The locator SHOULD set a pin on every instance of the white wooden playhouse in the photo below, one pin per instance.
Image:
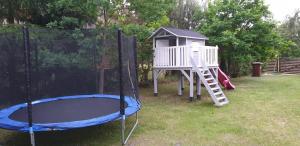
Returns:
(185, 51)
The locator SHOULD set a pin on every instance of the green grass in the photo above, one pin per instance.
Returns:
(262, 111)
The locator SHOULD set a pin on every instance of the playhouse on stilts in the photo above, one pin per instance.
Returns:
(185, 51)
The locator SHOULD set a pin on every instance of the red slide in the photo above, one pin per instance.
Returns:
(224, 80)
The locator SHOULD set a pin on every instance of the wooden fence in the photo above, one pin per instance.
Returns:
(284, 65)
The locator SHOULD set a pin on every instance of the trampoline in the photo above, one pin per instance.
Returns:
(67, 112)
(53, 80)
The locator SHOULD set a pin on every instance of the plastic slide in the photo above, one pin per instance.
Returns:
(224, 80)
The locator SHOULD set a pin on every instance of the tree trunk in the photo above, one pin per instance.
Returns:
(10, 16)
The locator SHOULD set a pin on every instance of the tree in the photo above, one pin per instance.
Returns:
(144, 17)
(144, 51)
(244, 32)
(71, 13)
(53, 13)
(31, 11)
(290, 30)
(186, 14)
(9, 10)
(151, 11)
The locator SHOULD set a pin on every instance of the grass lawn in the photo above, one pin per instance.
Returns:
(262, 111)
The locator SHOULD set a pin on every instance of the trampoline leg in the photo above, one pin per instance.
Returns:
(131, 131)
(123, 129)
(32, 140)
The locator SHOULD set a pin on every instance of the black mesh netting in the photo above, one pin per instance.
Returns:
(130, 82)
(65, 62)
(74, 62)
(12, 67)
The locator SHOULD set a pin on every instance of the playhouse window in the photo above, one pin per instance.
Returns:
(172, 41)
(182, 41)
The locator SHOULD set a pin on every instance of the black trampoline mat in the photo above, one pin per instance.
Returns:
(68, 110)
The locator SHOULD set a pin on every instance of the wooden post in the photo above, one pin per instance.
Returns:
(278, 65)
(154, 43)
(182, 81)
(216, 73)
(154, 52)
(101, 80)
(198, 87)
(155, 76)
(191, 80)
(180, 84)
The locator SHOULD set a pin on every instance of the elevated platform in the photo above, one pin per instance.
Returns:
(178, 57)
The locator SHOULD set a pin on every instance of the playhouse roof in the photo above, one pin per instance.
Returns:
(180, 33)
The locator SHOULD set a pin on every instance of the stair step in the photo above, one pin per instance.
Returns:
(218, 93)
(207, 74)
(215, 88)
(221, 98)
(213, 83)
(223, 103)
(209, 79)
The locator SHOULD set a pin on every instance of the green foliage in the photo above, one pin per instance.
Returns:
(150, 16)
(136, 17)
(164, 21)
(290, 30)
(10, 10)
(71, 13)
(11, 29)
(243, 31)
(144, 51)
(186, 14)
(107, 10)
(54, 13)
(151, 11)
(79, 52)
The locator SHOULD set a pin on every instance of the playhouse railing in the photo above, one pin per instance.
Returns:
(179, 56)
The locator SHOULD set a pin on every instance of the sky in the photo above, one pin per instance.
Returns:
(281, 8)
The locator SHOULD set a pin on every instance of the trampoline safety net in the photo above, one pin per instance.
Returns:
(65, 63)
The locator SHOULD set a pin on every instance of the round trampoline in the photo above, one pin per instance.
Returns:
(37, 80)
(67, 112)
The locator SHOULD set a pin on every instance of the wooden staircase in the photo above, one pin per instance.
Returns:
(211, 84)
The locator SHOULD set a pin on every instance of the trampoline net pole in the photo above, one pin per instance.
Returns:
(122, 110)
(129, 82)
(27, 57)
(122, 107)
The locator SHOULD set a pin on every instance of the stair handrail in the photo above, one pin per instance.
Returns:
(202, 77)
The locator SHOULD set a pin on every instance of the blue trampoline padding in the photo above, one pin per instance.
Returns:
(6, 123)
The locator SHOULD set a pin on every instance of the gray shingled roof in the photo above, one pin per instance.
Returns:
(181, 33)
